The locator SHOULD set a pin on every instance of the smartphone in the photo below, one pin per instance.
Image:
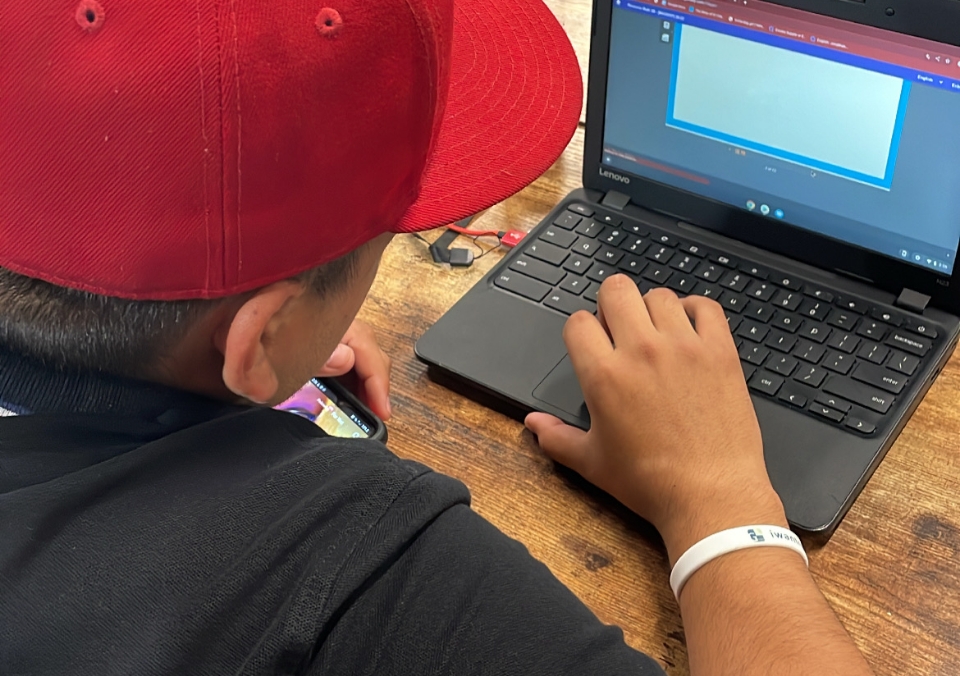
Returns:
(335, 410)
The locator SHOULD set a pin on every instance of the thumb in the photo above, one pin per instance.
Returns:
(339, 363)
(561, 442)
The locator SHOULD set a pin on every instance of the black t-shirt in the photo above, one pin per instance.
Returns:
(148, 531)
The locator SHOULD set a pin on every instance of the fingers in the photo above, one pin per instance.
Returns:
(373, 370)
(623, 310)
(711, 323)
(586, 340)
(667, 312)
(561, 442)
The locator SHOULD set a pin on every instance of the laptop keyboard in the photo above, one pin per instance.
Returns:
(801, 344)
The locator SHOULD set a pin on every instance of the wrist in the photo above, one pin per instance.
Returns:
(713, 516)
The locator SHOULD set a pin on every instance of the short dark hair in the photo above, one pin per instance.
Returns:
(67, 328)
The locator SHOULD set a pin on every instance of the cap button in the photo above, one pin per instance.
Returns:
(90, 15)
(329, 22)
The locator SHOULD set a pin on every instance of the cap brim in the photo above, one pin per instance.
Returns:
(514, 102)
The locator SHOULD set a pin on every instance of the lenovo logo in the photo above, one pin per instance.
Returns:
(615, 177)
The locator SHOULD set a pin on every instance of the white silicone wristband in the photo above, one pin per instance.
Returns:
(726, 541)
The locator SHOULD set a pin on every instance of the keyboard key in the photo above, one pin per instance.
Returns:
(787, 282)
(783, 365)
(839, 362)
(825, 412)
(819, 294)
(660, 254)
(684, 262)
(522, 285)
(755, 354)
(870, 328)
(733, 321)
(873, 352)
(613, 236)
(567, 220)
(558, 236)
(607, 219)
(591, 293)
(788, 300)
(885, 379)
(735, 281)
(707, 290)
(814, 309)
(765, 382)
(886, 316)
(792, 398)
(577, 264)
(657, 274)
(682, 284)
(581, 209)
(548, 253)
(709, 272)
(608, 255)
(568, 303)
(723, 259)
(842, 319)
(909, 342)
(920, 327)
(634, 229)
(759, 311)
(810, 375)
(754, 270)
(538, 270)
(632, 265)
(752, 330)
(852, 304)
(903, 363)
(732, 301)
(845, 342)
(786, 322)
(748, 370)
(635, 245)
(589, 228)
(666, 240)
(575, 285)
(780, 341)
(814, 331)
(833, 402)
(586, 247)
(860, 394)
(693, 250)
(810, 352)
(600, 271)
(859, 425)
(761, 290)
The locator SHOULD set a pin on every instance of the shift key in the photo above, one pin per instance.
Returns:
(538, 270)
(858, 393)
(522, 285)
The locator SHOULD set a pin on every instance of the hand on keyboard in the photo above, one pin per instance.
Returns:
(674, 435)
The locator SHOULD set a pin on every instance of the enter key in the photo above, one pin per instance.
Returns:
(885, 379)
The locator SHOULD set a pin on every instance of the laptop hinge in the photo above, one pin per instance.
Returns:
(913, 300)
(615, 200)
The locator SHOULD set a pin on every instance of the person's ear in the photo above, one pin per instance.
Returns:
(247, 369)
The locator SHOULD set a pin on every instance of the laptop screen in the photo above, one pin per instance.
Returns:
(849, 131)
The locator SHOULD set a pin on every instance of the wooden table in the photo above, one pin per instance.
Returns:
(891, 571)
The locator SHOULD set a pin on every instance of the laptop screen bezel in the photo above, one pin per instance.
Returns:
(930, 19)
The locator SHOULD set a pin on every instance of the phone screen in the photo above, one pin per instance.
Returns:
(320, 404)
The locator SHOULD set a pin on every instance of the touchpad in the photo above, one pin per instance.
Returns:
(561, 389)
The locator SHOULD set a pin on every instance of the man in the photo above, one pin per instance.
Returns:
(193, 204)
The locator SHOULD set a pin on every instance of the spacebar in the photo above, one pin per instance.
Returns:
(522, 285)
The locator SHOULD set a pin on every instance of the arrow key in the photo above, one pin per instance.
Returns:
(861, 426)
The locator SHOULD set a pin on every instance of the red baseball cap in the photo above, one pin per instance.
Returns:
(151, 150)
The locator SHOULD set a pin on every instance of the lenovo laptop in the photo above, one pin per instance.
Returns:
(798, 161)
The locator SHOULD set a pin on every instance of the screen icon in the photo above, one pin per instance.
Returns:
(751, 205)
(764, 209)
(904, 253)
(665, 37)
(778, 213)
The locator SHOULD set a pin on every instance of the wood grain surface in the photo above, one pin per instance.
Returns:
(891, 571)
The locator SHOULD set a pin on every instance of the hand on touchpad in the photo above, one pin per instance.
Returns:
(561, 389)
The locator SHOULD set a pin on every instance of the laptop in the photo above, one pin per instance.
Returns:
(799, 162)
